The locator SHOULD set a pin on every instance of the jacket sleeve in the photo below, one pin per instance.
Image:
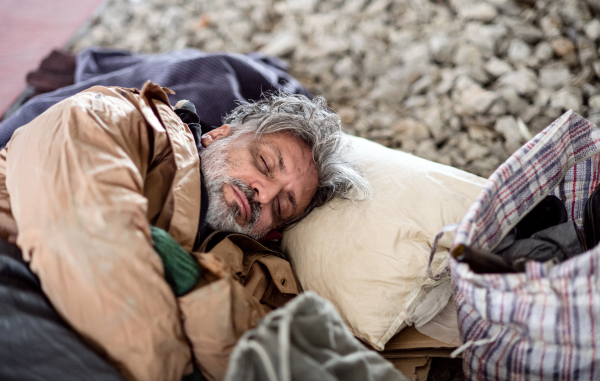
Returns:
(241, 283)
(76, 178)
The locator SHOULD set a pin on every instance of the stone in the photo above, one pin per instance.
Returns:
(539, 123)
(475, 72)
(382, 120)
(415, 54)
(508, 127)
(423, 84)
(518, 51)
(562, 46)
(486, 37)
(551, 25)
(432, 118)
(568, 98)
(529, 112)
(515, 104)
(589, 90)
(497, 67)
(475, 151)
(282, 44)
(586, 49)
(477, 100)
(594, 102)
(427, 150)
(523, 81)
(498, 108)
(592, 29)
(524, 130)
(345, 67)
(447, 81)
(412, 128)
(415, 102)
(527, 33)
(441, 47)
(543, 51)
(389, 91)
(347, 114)
(467, 55)
(554, 77)
(596, 66)
(594, 118)
(478, 11)
(479, 133)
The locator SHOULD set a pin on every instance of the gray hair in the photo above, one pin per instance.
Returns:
(320, 128)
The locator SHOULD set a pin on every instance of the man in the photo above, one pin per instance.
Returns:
(82, 185)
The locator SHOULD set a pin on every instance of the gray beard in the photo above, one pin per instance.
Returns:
(220, 215)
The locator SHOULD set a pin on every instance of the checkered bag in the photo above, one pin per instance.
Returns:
(543, 323)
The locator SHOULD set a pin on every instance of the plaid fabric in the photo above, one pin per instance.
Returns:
(544, 323)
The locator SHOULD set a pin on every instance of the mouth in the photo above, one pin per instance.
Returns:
(243, 203)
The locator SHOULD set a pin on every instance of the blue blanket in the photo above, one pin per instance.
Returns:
(214, 82)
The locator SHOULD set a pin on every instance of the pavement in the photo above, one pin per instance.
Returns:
(30, 30)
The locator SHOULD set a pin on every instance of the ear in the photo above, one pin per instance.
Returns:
(216, 134)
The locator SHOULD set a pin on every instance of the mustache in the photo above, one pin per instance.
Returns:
(249, 194)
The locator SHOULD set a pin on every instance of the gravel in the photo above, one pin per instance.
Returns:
(461, 82)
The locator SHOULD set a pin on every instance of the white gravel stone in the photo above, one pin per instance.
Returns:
(476, 100)
(478, 11)
(281, 44)
(509, 128)
(555, 77)
(567, 99)
(523, 81)
(592, 29)
(518, 51)
(594, 102)
(544, 51)
(497, 67)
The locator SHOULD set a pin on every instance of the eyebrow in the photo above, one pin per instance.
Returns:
(279, 157)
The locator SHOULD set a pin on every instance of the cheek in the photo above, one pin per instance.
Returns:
(266, 218)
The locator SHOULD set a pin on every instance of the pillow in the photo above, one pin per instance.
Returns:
(370, 258)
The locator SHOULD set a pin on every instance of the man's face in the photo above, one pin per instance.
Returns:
(256, 185)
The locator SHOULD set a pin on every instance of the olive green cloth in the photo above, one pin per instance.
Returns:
(182, 272)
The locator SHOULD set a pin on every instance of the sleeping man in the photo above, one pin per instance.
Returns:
(90, 190)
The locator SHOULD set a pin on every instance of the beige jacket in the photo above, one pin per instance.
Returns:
(81, 185)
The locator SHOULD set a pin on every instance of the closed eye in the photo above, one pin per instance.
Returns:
(278, 207)
(265, 164)
(277, 211)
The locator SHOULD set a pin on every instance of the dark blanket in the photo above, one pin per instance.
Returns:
(35, 343)
(214, 82)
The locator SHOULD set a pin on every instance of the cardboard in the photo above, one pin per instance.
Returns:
(410, 338)
(411, 352)
(415, 369)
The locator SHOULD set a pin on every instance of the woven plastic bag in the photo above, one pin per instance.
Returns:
(543, 323)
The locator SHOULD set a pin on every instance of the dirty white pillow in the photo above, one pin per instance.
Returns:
(370, 258)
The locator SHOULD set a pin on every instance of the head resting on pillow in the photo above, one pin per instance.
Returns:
(275, 160)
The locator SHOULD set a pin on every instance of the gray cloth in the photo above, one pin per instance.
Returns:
(306, 340)
(557, 243)
(35, 342)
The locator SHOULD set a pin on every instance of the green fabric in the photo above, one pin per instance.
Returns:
(182, 272)
(196, 376)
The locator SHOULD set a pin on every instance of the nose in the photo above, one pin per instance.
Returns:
(266, 190)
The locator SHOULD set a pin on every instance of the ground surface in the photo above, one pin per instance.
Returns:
(461, 82)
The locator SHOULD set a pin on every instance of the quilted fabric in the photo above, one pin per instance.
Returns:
(543, 323)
